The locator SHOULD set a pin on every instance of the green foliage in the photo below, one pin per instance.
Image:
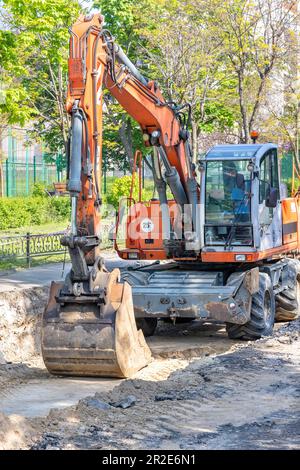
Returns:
(17, 212)
(38, 190)
(60, 207)
(183, 47)
(121, 188)
(33, 57)
(218, 56)
(120, 19)
(289, 184)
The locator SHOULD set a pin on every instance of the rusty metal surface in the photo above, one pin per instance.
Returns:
(192, 294)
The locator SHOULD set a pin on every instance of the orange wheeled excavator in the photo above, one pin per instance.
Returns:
(224, 247)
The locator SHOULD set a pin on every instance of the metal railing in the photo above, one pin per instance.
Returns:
(30, 246)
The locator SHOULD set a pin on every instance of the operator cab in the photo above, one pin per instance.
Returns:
(240, 191)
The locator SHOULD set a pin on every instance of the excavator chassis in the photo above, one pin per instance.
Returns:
(95, 334)
(176, 292)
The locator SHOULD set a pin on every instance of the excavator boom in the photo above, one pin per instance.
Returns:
(89, 326)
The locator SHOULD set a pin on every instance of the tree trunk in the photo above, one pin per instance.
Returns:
(257, 100)
(125, 133)
(58, 89)
(245, 126)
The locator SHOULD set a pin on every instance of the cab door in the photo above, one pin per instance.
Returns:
(270, 218)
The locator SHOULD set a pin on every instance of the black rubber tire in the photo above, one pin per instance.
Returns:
(288, 301)
(179, 320)
(262, 314)
(147, 325)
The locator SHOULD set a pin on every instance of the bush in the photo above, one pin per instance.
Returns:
(60, 207)
(289, 183)
(13, 213)
(39, 190)
(121, 188)
(18, 212)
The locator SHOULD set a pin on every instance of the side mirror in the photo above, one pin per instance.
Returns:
(272, 197)
(240, 181)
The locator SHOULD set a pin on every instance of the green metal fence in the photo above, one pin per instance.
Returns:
(286, 163)
(19, 177)
(25, 164)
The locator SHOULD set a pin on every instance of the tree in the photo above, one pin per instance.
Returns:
(35, 45)
(121, 134)
(257, 40)
(184, 49)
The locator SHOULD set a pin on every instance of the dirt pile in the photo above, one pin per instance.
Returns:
(16, 432)
(20, 322)
(247, 398)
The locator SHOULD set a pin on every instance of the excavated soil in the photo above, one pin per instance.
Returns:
(202, 391)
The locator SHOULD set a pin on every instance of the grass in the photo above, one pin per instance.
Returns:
(52, 227)
(34, 229)
(15, 263)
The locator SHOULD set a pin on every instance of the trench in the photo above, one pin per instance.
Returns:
(26, 387)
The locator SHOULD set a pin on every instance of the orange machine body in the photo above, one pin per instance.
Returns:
(143, 229)
(143, 243)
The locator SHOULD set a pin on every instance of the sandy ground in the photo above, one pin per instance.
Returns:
(202, 391)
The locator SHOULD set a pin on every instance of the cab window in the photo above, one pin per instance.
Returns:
(268, 175)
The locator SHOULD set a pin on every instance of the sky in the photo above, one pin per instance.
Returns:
(87, 4)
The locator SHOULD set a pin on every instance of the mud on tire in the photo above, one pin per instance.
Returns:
(288, 301)
(262, 314)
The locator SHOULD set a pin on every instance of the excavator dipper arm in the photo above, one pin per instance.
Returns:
(89, 326)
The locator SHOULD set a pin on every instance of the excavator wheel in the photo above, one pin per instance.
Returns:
(147, 325)
(288, 301)
(262, 314)
(93, 336)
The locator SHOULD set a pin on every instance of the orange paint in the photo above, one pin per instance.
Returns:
(88, 73)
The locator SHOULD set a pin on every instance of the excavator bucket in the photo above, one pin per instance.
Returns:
(90, 337)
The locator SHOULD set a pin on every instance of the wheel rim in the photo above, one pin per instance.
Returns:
(268, 310)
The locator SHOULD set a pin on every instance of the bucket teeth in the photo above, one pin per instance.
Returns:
(94, 339)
